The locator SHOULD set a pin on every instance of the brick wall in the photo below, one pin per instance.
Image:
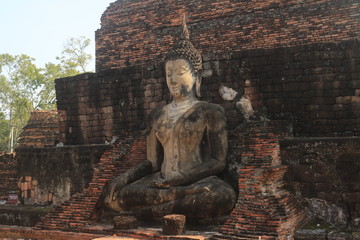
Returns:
(264, 209)
(136, 33)
(8, 175)
(53, 174)
(315, 86)
(86, 207)
(96, 107)
(324, 168)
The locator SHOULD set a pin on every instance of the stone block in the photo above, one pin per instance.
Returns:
(334, 214)
(124, 222)
(338, 236)
(353, 197)
(311, 234)
(174, 224)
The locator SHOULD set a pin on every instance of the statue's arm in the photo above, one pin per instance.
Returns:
(153, 160)
(131, 175)
(218, 142)
(154, 151)
(152, 164)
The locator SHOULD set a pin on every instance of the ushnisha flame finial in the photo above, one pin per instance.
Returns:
(183, 49)
(185, 32)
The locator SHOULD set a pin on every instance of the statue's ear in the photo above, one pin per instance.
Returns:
(198, 83)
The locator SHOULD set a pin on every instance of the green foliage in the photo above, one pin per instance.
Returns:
(19, 80)
(26, 87)
(74, 56)
(4, 132)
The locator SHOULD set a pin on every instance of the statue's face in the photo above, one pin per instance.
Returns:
(179, 78)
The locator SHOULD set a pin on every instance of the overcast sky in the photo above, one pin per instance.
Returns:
(39, 28)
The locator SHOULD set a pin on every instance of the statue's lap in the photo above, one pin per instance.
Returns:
(210, 197)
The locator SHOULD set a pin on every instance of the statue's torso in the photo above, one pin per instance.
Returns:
(183, 138)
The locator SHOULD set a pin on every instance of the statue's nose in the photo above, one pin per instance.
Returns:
(172, 80)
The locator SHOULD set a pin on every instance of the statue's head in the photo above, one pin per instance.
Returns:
(183, 66)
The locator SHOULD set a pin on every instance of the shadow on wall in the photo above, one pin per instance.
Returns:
(51, 175)
(325, 169)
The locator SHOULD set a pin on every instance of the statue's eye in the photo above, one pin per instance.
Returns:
(182, 72)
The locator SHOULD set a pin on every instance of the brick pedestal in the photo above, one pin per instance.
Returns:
(264, 208)
(174, 224)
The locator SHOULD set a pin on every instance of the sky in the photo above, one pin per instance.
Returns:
(40, 28)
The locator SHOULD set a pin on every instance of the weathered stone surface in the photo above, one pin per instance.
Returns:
(331, 213)
(174, 224)
(26, 216)
(123, 222)
(125, 152)
(338, 236)
(226, 93)
(17, 232)
(355, 223)
(245, 107)
(53, 174)
(317, 234)
(325, 168)
(355, 235)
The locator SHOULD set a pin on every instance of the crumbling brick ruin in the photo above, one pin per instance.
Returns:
(294, 60)
(8, 175)
(41, 172)
(141, 32)
(42, 130)
(315, 86)
(297, 62)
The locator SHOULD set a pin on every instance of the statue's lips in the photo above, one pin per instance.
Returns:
(174, 89)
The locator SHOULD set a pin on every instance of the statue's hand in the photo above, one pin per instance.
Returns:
(161, 184)
(115, 187)
(175, 180)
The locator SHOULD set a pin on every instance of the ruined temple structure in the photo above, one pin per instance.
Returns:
(295, 60)
(42, 130)
(297, 65)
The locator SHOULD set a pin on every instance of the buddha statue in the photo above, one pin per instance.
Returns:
(186, 150)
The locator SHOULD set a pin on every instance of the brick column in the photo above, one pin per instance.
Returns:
(264, 209)
(8, 175)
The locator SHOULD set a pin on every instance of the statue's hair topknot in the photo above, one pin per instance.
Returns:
(184, 49)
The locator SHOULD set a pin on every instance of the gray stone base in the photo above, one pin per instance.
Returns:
(26, 216)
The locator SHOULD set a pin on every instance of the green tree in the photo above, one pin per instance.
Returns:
(19, 80)
(74, 55)
(4, 132)
(26, 87)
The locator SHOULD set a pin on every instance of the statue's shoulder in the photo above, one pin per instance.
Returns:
(210, 108)
(213, 114)
(156, 113)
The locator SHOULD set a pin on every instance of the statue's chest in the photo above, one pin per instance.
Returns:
(187, 129)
